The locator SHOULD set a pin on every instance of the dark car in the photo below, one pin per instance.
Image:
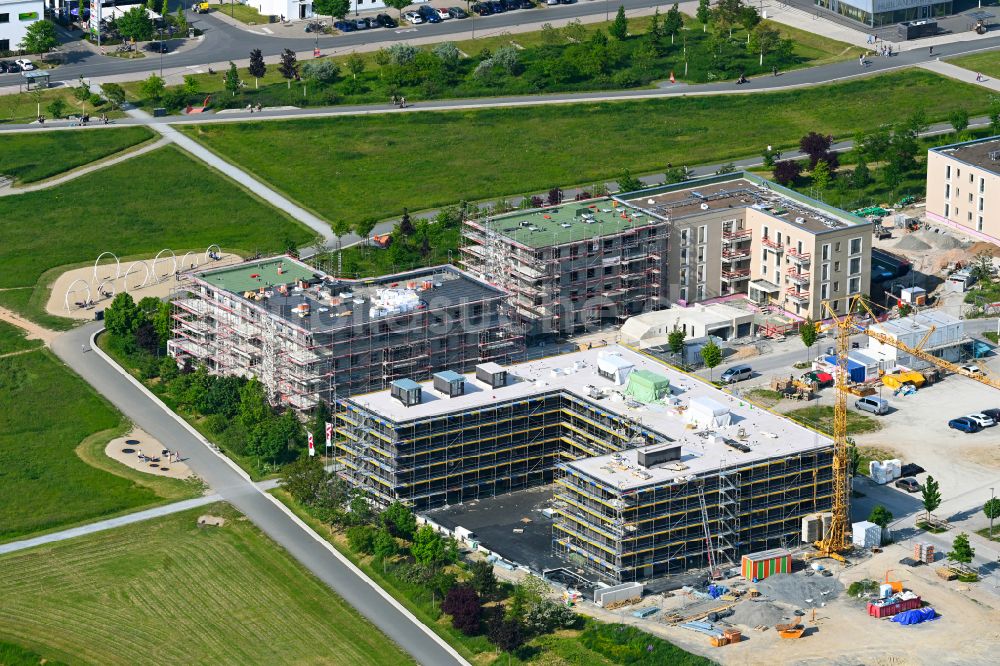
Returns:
(345, 26)
(497, 7)
(510, 5)
(157, 47)
(909, 484)
(3, 67)
(483, 8)
(13, 68)
(385, 21)
(964, 424)
(458, 12)
(992, 413)
(429, 14)
(527, 4)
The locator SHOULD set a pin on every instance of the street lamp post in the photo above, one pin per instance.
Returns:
(161, 50)
(992, 495)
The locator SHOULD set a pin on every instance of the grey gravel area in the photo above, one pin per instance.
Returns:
(800, 590)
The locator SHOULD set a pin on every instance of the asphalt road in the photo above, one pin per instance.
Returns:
(245, 496)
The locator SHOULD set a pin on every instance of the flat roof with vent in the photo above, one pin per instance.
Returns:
(982, 153)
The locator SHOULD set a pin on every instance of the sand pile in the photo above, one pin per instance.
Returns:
(912, 242)
(982, 246)
(752, 613)
(942, 241)
(800, 590)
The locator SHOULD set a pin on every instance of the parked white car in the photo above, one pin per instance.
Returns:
(971, 369)
(413, 18)
(24, 64)
(443, 13)
(983, 420)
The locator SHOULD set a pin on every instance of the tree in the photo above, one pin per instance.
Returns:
(675, 340)
(727, 14)
(361, 538)
(360, 508)
(628, 183)
(355, 64)
(465, 607)
(56, 107)
(135, 24)
(959, 120)
(114, 93)
(320, 417)
(122, 317)
(39, 37)
(961, 550)
(257, 68)
(484, 580)
(321, 71)
(506, 634)
(146, 337)
(384, 546)
(555, 196)
(703, 13)
(253, 409)
(860, 177)
(821, 175)
(363, 228)
(726, 168)
(711, 354)
(232, 79)
(808, 332)
(305, 480)
(881, 516)
(748, 17)
(673, 22)
(399, 520)
(931, 496)
(338, 8)
(994, 113)
(619, 27)
(152, 88)
(676, 175)
(853, 459)
(992, 511)
(787, 172)
(289, 67)
(770, 156)
(164, 9)
(428, 547)
(398, 5)
(816, 146)
(763, 40)
(180, 20)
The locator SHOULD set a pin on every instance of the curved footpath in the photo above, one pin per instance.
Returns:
(232, 485)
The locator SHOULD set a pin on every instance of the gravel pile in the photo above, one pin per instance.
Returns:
(799, 590)
(752, 613)
(942, 241)
(912, 242)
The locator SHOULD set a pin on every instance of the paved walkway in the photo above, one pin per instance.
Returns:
(960, 73)
(110, 523)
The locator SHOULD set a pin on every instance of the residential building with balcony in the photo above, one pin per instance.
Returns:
(963, 187)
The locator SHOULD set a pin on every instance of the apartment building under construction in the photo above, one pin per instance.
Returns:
(309, 336)
(654, 472)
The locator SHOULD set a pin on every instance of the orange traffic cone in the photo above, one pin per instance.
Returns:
(672, 79)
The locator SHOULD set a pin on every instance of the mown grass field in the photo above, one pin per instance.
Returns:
(163, 199)
(821, 418)
(47, 412)
(37, 156)
(168, 592)
(12, 339)
(373, 166)
(987, 63)
(23, 107)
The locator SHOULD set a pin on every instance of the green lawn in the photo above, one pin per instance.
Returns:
(12, 339)
(163, 199)
(23, 107)
(168, 592)
(240, 12)
(47, 412)
(371, 166)
(869, 453)
(37, 156)
(821, 418)
(987, 63)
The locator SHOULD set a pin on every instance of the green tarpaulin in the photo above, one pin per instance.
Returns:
(646, 386)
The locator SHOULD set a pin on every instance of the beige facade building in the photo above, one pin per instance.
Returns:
(963, 187)
(741, 234)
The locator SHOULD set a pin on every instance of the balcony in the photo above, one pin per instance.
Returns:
(801, 258)
(735, 255)
(772, 244)
(798, 277)
(801, 297)
(736, 276)
(737, 235)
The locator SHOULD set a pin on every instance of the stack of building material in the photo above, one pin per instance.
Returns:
(734, 635)
(866, 534)
(923, 552)
(893, 468)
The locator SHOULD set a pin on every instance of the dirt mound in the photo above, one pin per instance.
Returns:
(981, 246)
(800, 590)
(912, 242)
(752, 613)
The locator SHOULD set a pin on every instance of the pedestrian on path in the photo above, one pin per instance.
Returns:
(930, 51)
(979, 77)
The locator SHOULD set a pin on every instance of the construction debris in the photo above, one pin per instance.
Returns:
(799, 590)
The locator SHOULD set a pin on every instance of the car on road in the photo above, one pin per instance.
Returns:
(909, 484)
(872, 404)
(385, 21)
(24, 64)
(413, 18)
(981, 419)
(737, 373)
(964, 424)
(972, 369)
(458, 12)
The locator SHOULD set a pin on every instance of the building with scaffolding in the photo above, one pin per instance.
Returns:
(572, 266)
(654, 472)
(309, 336)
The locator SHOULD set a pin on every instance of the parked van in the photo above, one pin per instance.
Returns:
(873, 404)
(737, 373)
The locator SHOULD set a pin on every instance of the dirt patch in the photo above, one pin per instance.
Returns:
(35, 332)
(211, 521)
(146, 456)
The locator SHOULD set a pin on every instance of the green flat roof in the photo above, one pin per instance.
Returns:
(567, 223)
(250, 277)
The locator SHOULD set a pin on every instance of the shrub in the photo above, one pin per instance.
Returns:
(362, 538)
(464, 606)
(787, 171)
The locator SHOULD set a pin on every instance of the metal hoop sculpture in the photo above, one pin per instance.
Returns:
(128, 271)
(155, 278)
(184, 261)
(118, 265)
(70, 290)
(111, 293)
(208, 251)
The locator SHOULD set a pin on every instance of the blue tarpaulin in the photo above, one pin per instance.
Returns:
(915, 616)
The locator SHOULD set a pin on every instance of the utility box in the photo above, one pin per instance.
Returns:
(760, 565)
(491, 374)
(449, 383)
(406, 391)
(657, 455)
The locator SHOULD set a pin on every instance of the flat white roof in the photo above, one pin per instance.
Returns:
(766, 434)
(918, 323)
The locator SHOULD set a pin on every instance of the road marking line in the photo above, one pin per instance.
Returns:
(268, 31)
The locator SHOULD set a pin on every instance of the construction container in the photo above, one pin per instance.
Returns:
(892, 605)
(406, 391)
(616, 593)
(449, 383)
(758, 566)
(733, 635)
(866, 535)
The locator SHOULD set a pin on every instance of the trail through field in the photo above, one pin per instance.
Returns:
(35, 332)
